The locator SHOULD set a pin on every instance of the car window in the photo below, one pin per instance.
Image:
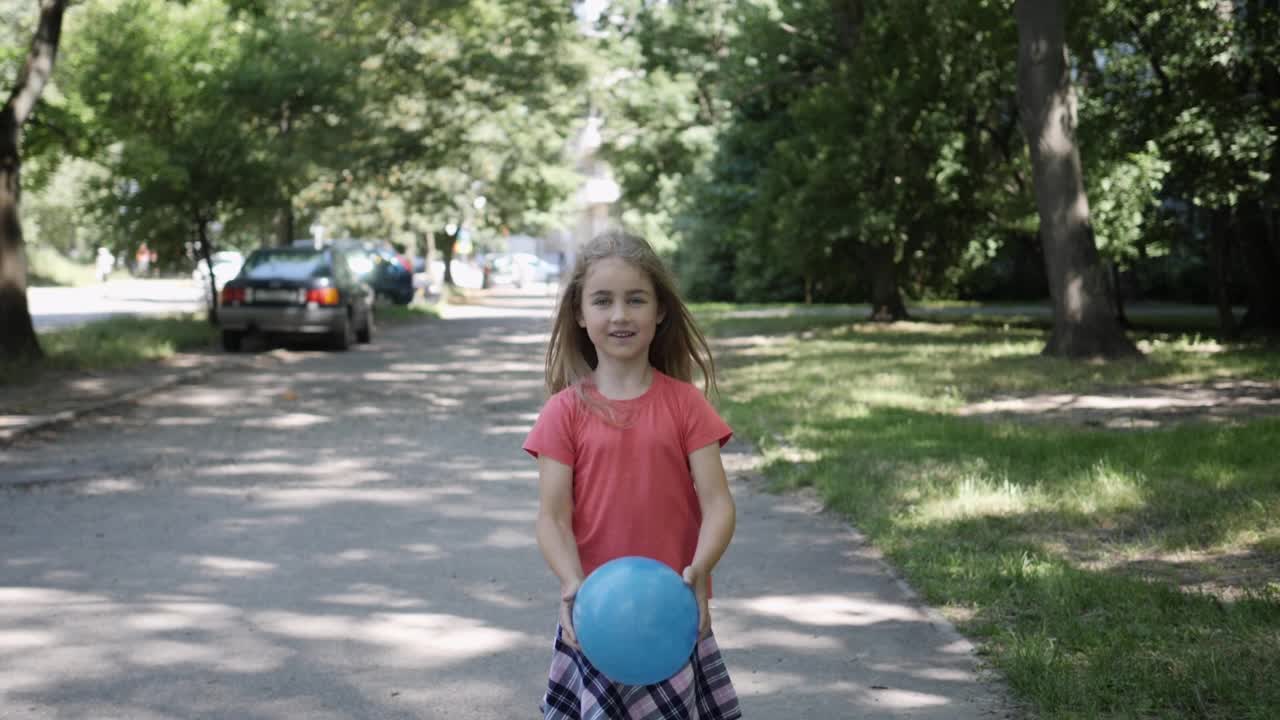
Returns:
(360, 262)
(342, 267)
(286, 264)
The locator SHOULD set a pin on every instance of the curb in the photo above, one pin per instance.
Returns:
(66, 417)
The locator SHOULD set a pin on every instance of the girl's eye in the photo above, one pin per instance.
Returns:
(600, 302)
(637, 301)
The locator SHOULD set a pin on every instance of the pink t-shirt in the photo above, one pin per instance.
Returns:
(633, 492)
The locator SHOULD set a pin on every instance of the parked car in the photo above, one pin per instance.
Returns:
(226, 265)
(297, 291)
(379, 265)
(519, 270)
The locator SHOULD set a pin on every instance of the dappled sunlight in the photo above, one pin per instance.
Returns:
(419, 640)
(824, 610)
(357, 531)
(12, 641)
(494, 596)
(371, 595)
(510, 538)
(184, 421)
(506, 475)
(228, 567)
(520, 430)
(316, 497)
(844, 695)
(905, 699)
(137, 637)
(538, 340)
(740, 634)
(289, 421)
(343, 473)
(106, 486)
(424, 551)
(977, 495)
(488, 514)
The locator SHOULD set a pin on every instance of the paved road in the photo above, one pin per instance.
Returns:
(350, 536)
(55, 307)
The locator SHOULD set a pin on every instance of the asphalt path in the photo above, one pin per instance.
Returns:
(350, 535)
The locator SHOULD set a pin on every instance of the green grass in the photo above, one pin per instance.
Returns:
(125, 342)
(1059, 548)
(47, 266)
(419, 309)
(115, 343)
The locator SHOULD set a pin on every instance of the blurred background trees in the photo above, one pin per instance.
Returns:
(775, 150)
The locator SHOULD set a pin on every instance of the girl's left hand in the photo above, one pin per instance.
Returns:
(698, 581)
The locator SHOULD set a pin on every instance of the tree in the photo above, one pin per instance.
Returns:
(468, 100)
(181, 151)
(18, 341)
(1084, 323)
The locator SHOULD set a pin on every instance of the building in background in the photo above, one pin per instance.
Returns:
(595, 201)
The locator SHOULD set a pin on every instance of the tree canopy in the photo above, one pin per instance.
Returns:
(815, 150)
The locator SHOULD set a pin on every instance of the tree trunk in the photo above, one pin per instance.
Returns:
(848, 16)
(886, 297)
(1084, 323)
(18, 341)
(1117, 292)
(284, 225)
(206, 254)
(446, 254)
(1261, 270)
(1220, 265)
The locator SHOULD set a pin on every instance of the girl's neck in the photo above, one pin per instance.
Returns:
(622, 383)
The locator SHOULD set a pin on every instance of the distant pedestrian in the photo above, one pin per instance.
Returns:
(142, 260)
(629, 463)
(104, 263)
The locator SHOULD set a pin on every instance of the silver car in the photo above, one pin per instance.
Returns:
(296, 291)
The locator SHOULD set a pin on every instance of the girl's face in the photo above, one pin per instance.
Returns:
(619, 311)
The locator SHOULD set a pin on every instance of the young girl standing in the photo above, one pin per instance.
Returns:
(629, 464)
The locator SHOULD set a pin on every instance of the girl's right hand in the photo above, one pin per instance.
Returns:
(567, 594)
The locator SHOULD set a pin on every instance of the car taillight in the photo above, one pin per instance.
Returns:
(323, 296)
(232, 295)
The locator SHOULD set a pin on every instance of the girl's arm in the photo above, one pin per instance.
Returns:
(555, 535)
(719, 516)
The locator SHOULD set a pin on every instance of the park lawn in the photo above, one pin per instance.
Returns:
(117, 342)
(122, 342)
(1106, 573)
(419, 309)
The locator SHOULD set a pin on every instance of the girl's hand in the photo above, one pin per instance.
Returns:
(698, 581)
(568, 592)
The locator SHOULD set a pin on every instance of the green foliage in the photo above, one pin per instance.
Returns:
(464, 101)
(769, 144)
(768, 147)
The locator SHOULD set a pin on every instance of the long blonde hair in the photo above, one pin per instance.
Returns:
(677, 345)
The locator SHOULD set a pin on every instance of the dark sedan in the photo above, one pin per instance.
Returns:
(297, 291)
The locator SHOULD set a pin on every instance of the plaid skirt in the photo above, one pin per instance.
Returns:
(700, 691)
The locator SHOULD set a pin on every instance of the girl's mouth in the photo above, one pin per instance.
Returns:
(621, 334)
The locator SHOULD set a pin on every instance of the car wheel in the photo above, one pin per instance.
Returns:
(345, 336)
(231, 340)
(365, 334)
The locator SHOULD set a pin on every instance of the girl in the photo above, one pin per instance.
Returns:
(629, 464)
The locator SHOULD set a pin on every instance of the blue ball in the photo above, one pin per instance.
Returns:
(636, 620)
